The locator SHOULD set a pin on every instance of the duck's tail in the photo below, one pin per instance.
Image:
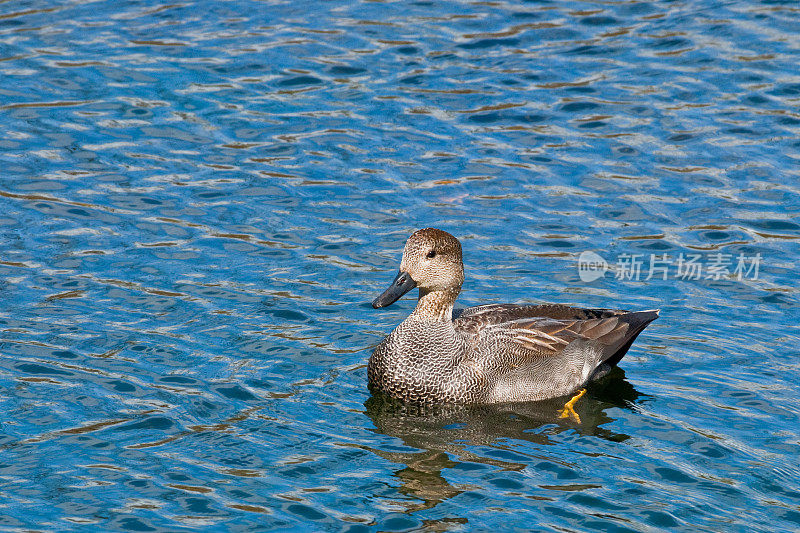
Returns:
(637, 321)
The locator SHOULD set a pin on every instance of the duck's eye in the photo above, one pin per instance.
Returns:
(431, 254)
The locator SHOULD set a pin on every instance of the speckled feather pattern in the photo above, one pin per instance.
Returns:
(492, 353)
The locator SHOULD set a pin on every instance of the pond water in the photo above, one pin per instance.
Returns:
(200, 199)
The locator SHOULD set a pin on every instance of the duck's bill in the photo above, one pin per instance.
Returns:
(401, 285)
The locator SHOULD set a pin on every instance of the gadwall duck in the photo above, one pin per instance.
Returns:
(489, 353)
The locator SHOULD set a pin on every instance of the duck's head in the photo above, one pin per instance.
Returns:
(431, 261)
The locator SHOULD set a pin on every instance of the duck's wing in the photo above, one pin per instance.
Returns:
(496, 313)
(545, 330)
(538, 352)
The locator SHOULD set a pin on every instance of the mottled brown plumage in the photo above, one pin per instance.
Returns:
(490, 353)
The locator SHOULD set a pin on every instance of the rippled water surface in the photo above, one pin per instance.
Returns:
(199, 200)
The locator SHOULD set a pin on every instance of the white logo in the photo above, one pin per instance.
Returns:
(591, 266)
(634, 267)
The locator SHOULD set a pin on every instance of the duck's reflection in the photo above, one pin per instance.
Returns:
(440, 434)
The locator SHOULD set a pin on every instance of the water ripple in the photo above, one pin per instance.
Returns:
(201, 198)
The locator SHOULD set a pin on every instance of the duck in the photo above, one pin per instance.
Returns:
(493, 353)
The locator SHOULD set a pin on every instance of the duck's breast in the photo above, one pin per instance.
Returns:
(419, 361)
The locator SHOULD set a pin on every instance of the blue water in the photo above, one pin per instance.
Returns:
(200, 199)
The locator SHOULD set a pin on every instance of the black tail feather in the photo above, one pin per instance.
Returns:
(636, 321)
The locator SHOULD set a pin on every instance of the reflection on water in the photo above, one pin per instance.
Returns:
(437, 426)
(200, 199)
(443, 437)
